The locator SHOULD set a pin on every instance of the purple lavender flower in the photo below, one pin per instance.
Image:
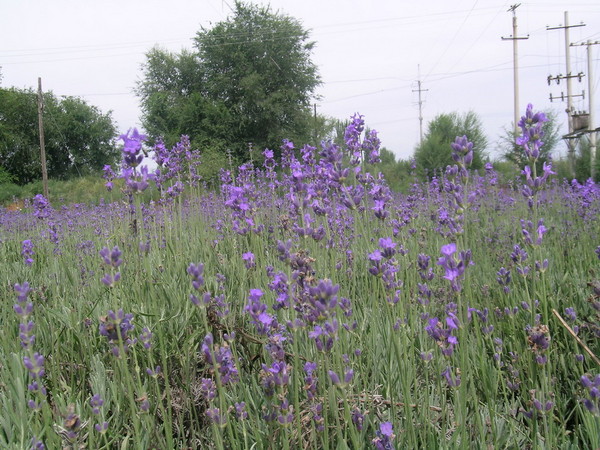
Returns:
(146, 338)
(96, 402)
(41, 206)
(35, 365)
(215, 416)
(110, 280)
(153, 372)
(220, 358)
(27, 251)
(358, 419)
(136, 181)
(379, 209)
(531, 126)
(34, 386)
(286, 414)
(335, 379)
(539, 341)
(310, 380)
(592, 401)
(132, 146)
(518, 255)
(385, 437)
(504, 278)
(248, 259)
(23, 291)
(240, 411)
(196, 271)
(388, 247)
(452, 379)
(447, 261)
(371, 144)
(276, 375)
(109, 176)
(101, 427)
(443, 336)
(454, 267)
(115, 326)
(462, 153)
(144, 403)
(280, 286)
(23, 310)
(37, 444)
(257, 310)
(25, 332)
(426, 356)
(571, 314)
(112, 257)
(208, 388)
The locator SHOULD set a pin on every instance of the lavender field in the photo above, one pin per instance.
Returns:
(305, 305)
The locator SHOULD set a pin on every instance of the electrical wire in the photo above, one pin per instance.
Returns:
(451, 42)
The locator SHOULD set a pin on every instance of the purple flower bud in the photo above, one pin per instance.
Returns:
(335, 379)
(96, 402)
(101, 427)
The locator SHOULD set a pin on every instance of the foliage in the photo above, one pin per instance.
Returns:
(514, 153)
(79, 138)
(5, 176)
(76, 190)
(398, 174)
(583, 160)
(250, 79)
(434, 152)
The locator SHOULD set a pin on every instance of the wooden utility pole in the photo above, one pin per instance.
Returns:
(42, 145)
(514, 37)
(570, 142)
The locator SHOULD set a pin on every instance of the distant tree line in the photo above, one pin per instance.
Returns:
(248, 83)
(79, 138)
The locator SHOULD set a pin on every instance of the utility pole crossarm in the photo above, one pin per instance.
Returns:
(585, 44)
(563, 27)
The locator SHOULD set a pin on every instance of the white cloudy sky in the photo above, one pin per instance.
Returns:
(368, 53)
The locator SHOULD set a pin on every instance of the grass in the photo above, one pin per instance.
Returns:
(372, 332)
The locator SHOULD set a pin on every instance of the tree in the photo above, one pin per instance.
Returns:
(514, 153)
(583, 160)
(79, 139)
(249, 79)
(434, 153)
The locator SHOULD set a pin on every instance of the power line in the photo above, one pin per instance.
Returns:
(256, 33)
(452, 40)
(82, 48)
(476, 40)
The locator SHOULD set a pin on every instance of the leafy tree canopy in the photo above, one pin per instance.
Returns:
(434, 153)
(583, 161)
(79, 139)
(249, 79)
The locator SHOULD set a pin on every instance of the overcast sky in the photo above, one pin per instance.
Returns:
(368, 54)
